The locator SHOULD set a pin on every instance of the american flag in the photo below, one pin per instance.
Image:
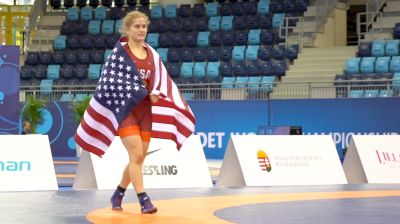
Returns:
(119, 90)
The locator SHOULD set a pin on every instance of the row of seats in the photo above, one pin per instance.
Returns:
(227, 54)
(216, 23)
(379, 48)
(34, 58)
(60, 84)
(91, 27)
(363, 79)
(370, 93)
(258, 83)
(56, 4)
(366, 65)
(214, 38)
(88, 41)
(54, 72)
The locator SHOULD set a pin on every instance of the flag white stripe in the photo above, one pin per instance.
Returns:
(170, 129)
(90, 139)
(105, 112)
(177, 97)
(90, 121)
(156, 58)
(181, 118)
(164, 80)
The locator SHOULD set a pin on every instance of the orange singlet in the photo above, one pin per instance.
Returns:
(138, 122)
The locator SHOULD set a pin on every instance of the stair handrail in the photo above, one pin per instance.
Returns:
(365, 26)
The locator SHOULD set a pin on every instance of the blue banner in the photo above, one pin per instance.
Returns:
(9, 89)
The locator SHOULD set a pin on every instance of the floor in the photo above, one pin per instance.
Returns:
(364, 203)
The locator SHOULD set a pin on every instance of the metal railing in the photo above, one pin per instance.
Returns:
(365, 25)
(237, 91)
(373, 6)
(289, 31)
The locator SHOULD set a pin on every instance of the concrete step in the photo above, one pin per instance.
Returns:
(52, 20)
(392, 6)
(316, 65)
(42, 47)
(330, 50)
(387, 22)
(45, 35)
(321, 78)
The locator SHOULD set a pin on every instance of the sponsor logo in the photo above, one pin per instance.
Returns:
(388, 158)
(155, 150)
(263, 161)
(14, 166)
(160, 170)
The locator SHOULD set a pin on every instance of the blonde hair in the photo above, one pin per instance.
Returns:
(129, 18)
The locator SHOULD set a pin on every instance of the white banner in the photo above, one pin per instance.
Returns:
(26, 163)
(278, 160)
(373, 159)
(164, 166)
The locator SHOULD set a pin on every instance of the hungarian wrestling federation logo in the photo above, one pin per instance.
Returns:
(263, 161)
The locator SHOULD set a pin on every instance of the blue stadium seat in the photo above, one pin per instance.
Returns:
(152, 39)
(170, 11)
(73, 14)
(106, 3)
(278, 52)
(241, 37)
(238, 8)
(356, 93)
(100, 13)
(111, 40)
(58, 57)
(275, 6)
(266, 68)
(70, 57)
(107, 53)
(39, 71)
(190, 39)
(94, 3)
(253, 69)
(81, 3)
(184, 11)
(187, 25)
(266, 37)
(199, 54)
(68, 3)
(265, 22)
(214, 23)
(364, 49)
(395, 64)
(225, 9)
(228, 82)
(46, 86)
(254, 37)
(239, 23)
(251, 8)
(118, 24)
(198, 10)
(55, 4)
(96, 57)
(68, 28)
(241, 81)
(66, 97)
(252, 52)
(211, 9)
(252, 22)
(164, 40)
(174, 25)
(228, 38)
(94, 71)
(352, 66)
(392, 47)
(32, 58)
(60, 42)
(371, 93)
(278, 20)
(26, 72)
(226, 54)
(163, 25)
(156, 12)
(173, 55)
(301, 5)
(385, 93)
(225, 69)
(289, 6)
(53, 72)
(267, 83)
(86, 13)
(174, 70)
(292, 52)
(263, 7)
(45, 57)
(215, 38)
(382, 65)
(264, 53)
(201, 24)
(212, 54)
(238, 53)
(396, 33)
(73, 42)
(82, 27)
(276, 37)
(115, 13)
(199, 71)
(187, 54)
(83, 57)
(239, 68)
(253, 84)
(279, 67)
(81, 72)
(94, 26)
(378, 48)
(212, 71)
(66, 71)
(367, 65)
(107, 27)
(187, 70)
(227, 23)
(163, 52)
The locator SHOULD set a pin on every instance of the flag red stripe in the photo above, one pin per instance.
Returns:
(165, 103)
(166, 135)
(165, 119)
(86, 146)
(101, 119)
(92, 132)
